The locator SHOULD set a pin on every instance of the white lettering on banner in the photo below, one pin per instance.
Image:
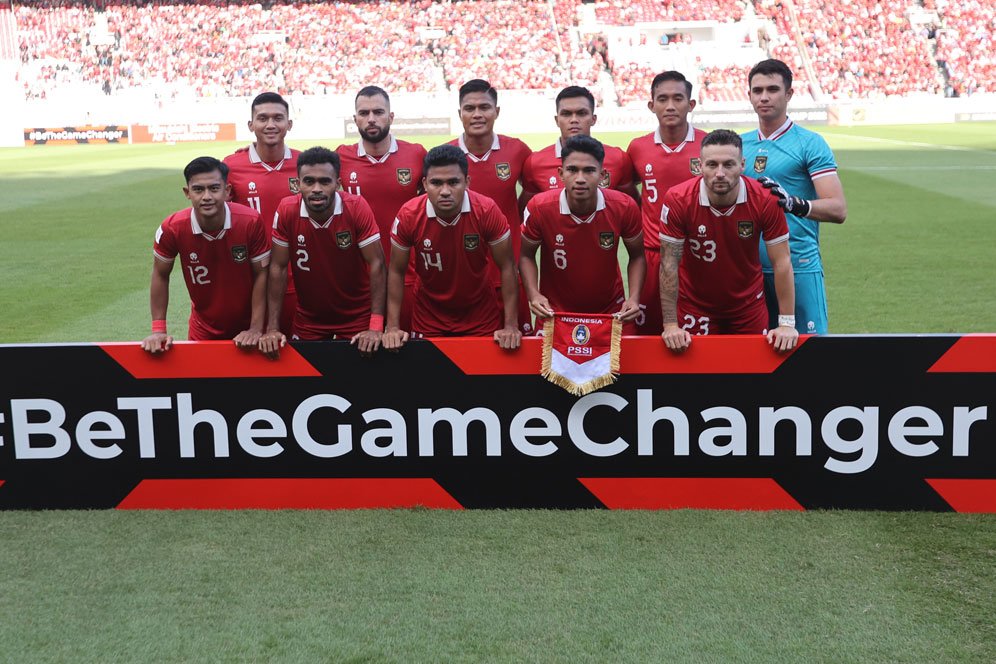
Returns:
(850, 435)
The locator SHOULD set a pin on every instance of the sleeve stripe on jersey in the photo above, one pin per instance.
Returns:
(262, 257)
(165, 259)
(822, 173)
(399, 245)
(673, 240)
(504, 236)
(278, 242)
(777, 240)
(370, 240)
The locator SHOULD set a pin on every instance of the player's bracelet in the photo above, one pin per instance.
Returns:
(786, 321)
(377, 322)
(159, 326)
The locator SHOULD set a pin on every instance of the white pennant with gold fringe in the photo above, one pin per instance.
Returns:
(581, 351)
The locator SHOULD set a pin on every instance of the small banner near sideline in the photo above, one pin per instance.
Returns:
(581, 351)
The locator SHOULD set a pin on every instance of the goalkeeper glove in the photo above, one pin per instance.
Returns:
(800, 207)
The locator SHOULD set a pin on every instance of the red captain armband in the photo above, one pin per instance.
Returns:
(377, 322)
(159, 326)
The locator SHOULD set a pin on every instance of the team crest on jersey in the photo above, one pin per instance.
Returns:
(580, 335)
(695, 166)
(471, 242)
(294, 185)
(759, 163)
(503, 170)
(745, 229)
(607, 240)
(343, 239)
(606, 180)
(240, 253)
(404, 176)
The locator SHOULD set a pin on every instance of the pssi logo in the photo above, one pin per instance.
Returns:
(581, 335)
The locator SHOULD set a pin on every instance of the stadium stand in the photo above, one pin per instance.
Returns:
(965, 46)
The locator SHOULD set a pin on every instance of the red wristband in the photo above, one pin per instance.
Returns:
(159, 326)
(377, 322)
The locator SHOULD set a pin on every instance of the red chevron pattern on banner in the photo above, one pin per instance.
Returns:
(973, 353)
(967, 495)
(701, 493)
(285, 494)
(208, 359)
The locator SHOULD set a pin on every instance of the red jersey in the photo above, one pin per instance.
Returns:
(262, 185)
(720, 271)
(661, 166)
(495, 174)
(333, 279)
(217, 268)
(386, 183)
(454, 296)
(540, 172)
(579, 263)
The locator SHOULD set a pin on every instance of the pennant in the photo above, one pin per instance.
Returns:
(581, 351)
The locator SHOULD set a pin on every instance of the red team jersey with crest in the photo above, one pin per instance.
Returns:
(217, 267)
(541, 170)
(579, 264)
(720, 271)
(333, 279)
(386, 183)
(454, 297)
(659, 166)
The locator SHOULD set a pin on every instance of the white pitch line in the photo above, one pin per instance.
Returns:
(935, 146)
(918, 168)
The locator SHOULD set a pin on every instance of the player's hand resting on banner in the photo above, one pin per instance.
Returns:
(630, 310)
(675, 338)
(783, 338)
(247, 339)
(157, 342)
(540, 306)
(800, 207)
(271, 343)
(394, 339)
(367, 341)
(508, 338)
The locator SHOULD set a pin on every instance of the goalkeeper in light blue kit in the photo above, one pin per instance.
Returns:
(797, 166)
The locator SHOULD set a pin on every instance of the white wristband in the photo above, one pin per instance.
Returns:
(786, 321)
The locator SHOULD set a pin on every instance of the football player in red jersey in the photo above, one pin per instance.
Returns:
(575, 117)
(265, 172)
(383, 170)
(665, 157)
(579, 229)
(455, 234)
(495, 162)
(716, 287)
(224, 251)
(333, 241)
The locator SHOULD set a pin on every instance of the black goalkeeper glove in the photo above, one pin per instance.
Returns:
(800, 207)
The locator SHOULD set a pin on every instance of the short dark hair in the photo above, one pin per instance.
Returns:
(268, 98)
(574, 91)
(586, 145)
(771, 68)
(318, 155)
(671, 76)
(203, 165)
(445, 155)
(478, 85)
(372, 91)
(723, 137)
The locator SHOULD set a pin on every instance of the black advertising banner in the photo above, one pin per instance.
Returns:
(848, 422)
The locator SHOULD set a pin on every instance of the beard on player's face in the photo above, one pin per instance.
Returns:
(375, 134)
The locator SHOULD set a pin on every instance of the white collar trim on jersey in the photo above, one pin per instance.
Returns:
(256, 159)
(495, 145)
(195, 226)
(337, 210)
(360, 152)
(566, 209)
(558, 149)
(776, 134)
(431, 211)
(704, 198)
(689, 137)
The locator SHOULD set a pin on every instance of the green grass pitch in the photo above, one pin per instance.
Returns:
(915, 255)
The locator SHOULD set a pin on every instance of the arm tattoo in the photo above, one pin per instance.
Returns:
(670, 258)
